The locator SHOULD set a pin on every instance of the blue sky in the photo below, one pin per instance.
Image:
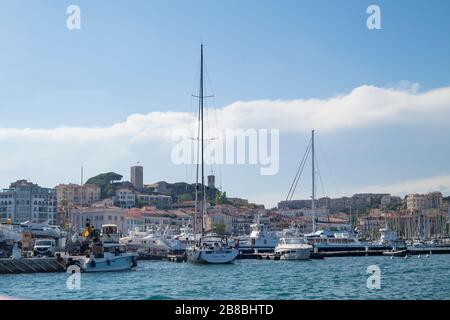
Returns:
(142, 56)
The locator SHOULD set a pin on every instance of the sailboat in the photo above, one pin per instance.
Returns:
(210, 248)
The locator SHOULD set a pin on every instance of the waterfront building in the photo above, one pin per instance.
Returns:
(159, 201)
(76, 195)
(135, 220)
(25, 201)
(154, 216)
(407, 224)
(137, 177)
(99, 217)
(219, 218)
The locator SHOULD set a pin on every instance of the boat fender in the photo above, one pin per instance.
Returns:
(108, 262)
(71, 262)
(93, 264)
(134, 259)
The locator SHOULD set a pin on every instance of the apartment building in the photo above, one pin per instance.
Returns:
(26, 201)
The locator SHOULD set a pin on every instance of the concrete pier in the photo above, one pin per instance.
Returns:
(32, 265)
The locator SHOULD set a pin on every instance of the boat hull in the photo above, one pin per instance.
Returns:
(212, 256)
(118, 263)
(293, 254)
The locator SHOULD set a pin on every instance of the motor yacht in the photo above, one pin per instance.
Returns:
(293, 249)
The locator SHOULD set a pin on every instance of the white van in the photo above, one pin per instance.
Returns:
(44, 247)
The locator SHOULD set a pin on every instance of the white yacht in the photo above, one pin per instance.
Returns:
(41, 230)
(260, 240)
(293, 249)
(212, 249)
(145, 240)
(333, 241)
(185, 239)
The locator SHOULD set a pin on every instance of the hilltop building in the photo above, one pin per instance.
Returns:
(137, 177)
(421, 202)
(159, 201)
(125, 198)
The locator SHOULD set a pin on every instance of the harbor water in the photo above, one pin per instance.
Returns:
(331, 278)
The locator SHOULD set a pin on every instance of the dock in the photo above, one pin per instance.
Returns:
(176, 257)
(32, 265)
(272, 256)
(153, 257)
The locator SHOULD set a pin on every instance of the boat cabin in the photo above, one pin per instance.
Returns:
(110, 233)
(105, 250)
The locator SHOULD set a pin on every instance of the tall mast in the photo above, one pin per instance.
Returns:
(202, 137)
(194, 227)
(313, 197)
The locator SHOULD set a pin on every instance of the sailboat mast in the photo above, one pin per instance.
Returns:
(313, 197)
(194, 227)
(202, 137)
(81, 182)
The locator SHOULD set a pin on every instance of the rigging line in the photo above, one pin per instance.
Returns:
(303, 167)
(192, 121)
(296, 174)
(331, 175)
(319, 174)
(302, 163)
(296, 178)
(214, 107)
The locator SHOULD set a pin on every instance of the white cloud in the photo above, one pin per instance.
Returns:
(46, 155)
(365, 106)
(425, 185)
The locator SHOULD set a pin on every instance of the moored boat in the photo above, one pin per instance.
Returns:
(110, 257)
(108, 254)
(260, 240)
(212, 249)
(293, 249)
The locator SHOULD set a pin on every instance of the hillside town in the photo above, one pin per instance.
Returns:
(133, 205)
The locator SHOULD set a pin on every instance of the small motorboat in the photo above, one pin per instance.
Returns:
(396, 253)
(110, 257)
(108, 254)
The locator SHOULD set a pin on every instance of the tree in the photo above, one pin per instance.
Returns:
(185, 197)
(221, 198)
(220, 228)
(105, 181)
